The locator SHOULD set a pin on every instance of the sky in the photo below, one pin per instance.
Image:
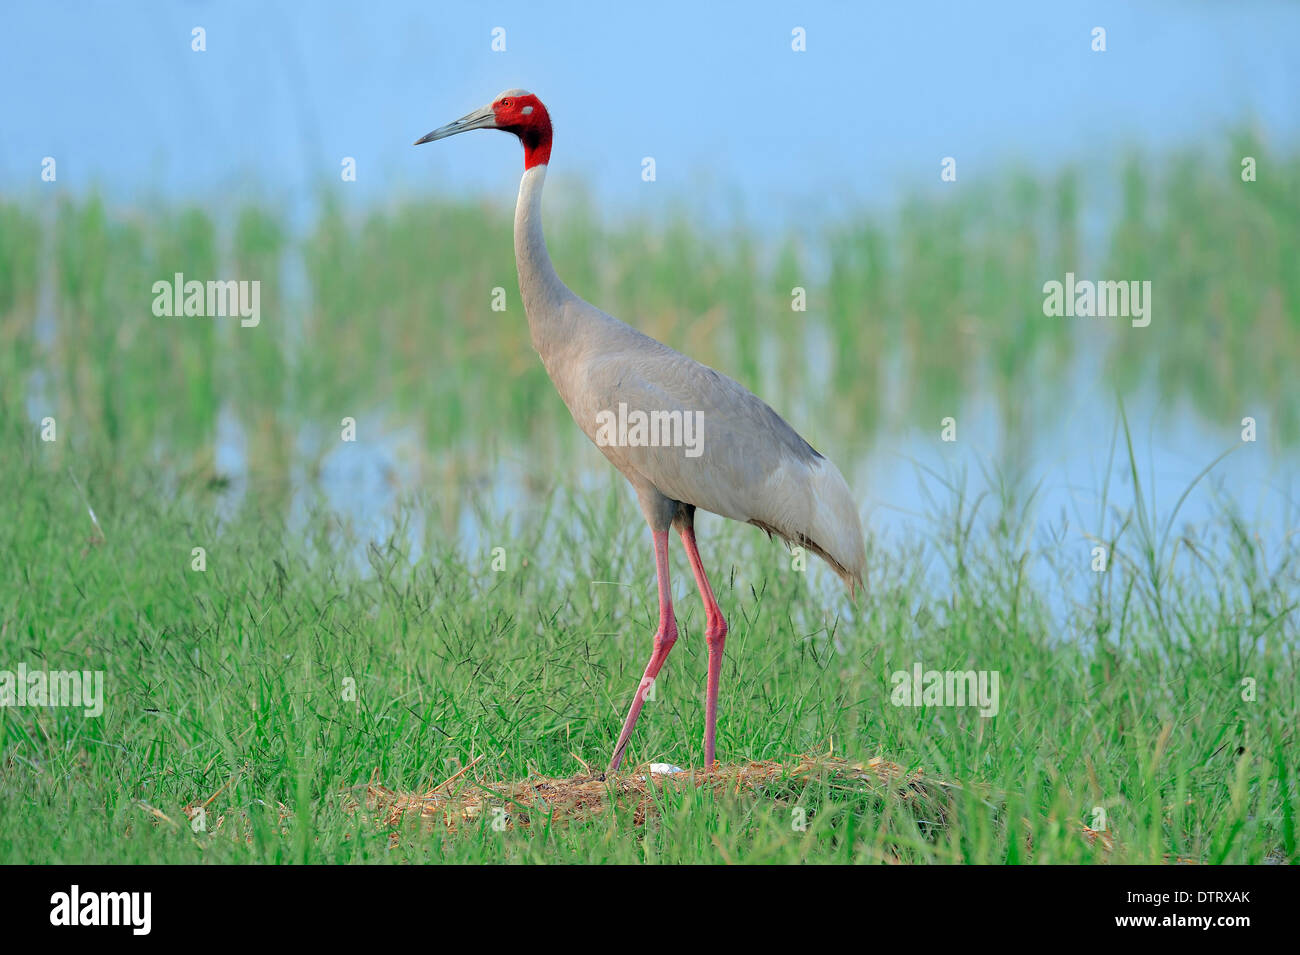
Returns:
(731, 114)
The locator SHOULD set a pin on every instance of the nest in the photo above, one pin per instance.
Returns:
(465, 801)
(468, 801)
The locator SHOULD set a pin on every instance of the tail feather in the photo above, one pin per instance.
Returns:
(827, 523)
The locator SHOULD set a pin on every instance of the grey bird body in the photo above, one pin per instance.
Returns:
(752, 467)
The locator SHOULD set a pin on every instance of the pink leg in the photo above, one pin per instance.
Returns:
(715, 635)
(665, 637)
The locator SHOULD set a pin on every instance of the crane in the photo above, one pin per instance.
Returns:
(685, 436)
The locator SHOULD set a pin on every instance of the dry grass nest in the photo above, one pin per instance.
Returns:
(465, 800)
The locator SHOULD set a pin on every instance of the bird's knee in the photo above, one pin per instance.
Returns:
(665, 636)
(715, 633)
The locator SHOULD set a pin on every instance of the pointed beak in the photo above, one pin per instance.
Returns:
(483, 118)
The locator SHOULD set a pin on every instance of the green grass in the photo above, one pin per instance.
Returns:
(234, 679)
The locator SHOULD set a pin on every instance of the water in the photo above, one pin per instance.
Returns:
(907, 480)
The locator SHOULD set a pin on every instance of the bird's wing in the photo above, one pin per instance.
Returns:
(726, 433)
(733, 454)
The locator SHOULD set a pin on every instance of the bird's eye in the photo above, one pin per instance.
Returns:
(505, 102)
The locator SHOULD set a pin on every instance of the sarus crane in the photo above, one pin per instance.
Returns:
(747, 463)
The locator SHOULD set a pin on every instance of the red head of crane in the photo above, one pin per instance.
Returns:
(745, 461)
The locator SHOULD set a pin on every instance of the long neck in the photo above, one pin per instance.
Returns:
(543, 293)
